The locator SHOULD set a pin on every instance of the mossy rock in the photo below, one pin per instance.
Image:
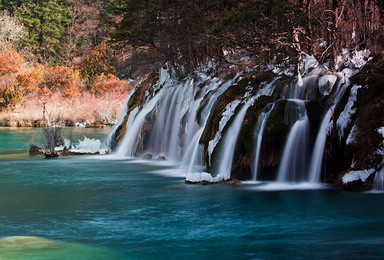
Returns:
(314, 113)
(276, 124)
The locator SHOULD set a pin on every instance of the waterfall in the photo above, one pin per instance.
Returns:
(261, 123)
(225, 158)
(111, 143)
(225, 118)
(193, 156)
(173, 122)
(193, 149)
(165, 131)
(378, 184)
(318, 150)
(293, 165)
(134, 126)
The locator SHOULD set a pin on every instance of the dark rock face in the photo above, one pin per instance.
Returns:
(365, 141)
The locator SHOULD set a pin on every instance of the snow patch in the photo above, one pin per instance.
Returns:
(226, 116)
(203, 176)
(164, 76)
(345, 116)
(80, 124)
(360, 58)
(309, 62)
(67, 145)
(187, 98)
(381, 150)
(357, 175)
(326, 84)
(88, 146)
(350, 138)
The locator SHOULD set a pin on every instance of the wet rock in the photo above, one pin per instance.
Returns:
(360, 184)
(230, 181)
(35, 150)
(147, 156)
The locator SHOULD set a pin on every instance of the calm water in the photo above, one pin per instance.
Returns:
(97, 207)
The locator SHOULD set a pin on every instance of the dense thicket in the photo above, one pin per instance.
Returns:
(151, 32)
(61, 31)
(189, 32)
(27, 85)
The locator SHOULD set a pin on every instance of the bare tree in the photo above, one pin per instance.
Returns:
(11, 29)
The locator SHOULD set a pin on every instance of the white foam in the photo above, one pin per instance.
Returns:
(277, 186)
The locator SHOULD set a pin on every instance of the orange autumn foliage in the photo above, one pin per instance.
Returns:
(71, 92)
(100, 61)
(30, 80)
(60, 78)
(105, 83)
(10, 61)
(10, 64)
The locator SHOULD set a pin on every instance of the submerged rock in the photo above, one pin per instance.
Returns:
(147, 156)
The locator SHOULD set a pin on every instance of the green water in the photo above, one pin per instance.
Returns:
(97, 207)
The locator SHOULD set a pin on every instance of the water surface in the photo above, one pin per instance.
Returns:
(97, 207)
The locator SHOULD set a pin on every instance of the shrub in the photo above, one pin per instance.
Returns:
(100, 61)
(105, 83)
(9, 97)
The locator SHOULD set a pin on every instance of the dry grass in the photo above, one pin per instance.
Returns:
(86, 107)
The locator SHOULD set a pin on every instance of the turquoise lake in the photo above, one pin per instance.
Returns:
(98, 207)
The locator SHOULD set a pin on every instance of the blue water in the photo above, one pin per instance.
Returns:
(97, 207)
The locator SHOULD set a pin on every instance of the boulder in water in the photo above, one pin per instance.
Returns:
(147, 156)
(355, 180)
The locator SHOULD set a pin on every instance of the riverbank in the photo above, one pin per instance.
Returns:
(87, 110)
(65, 123)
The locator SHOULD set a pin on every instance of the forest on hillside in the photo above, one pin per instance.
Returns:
(57, 51)
(56, 64)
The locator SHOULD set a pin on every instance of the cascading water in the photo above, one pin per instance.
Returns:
(134, 127)
(261, 122)
(318, 150)
(111, 143)
(176, 115)
(378, 184)
(225, 158)
(293, 166)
